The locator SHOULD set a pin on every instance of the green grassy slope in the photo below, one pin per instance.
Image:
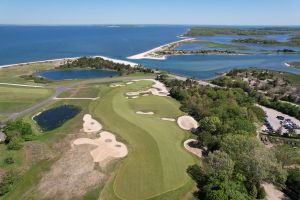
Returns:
(15, 99)
(157, 162)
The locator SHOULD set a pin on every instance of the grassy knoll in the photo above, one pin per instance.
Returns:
(12, 74)
(157, 162)
(15, 99)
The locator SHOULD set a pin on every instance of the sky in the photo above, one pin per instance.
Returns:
(200, 12)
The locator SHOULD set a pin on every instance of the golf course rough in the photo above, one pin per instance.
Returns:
(157, 162)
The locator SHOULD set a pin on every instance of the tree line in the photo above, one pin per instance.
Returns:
(237, 162)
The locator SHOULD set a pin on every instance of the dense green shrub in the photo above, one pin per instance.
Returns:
(9, 160)
(7, 182)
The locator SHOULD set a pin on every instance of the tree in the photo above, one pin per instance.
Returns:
(293, 183)
(219, 187)
(254, 160)
(219, 162)
(210, 124)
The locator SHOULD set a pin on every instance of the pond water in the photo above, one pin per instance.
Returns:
(76, 74)
(56, 117)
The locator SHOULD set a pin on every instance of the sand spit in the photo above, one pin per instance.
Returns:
(144, 113)
(158, 89)
(168, 119)
(62, 61)
(107, 147)
(187, 123)
(191, 146)
(90, 125)
(273, 193)
(151, 54)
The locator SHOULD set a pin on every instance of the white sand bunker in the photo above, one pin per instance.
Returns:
(187, 123)
(129, 83)
(134, 97)
(90, 125)
(158, 89)
(192, 146)
(144, 113)
(107, 147)
(168, 119)
(116, 85)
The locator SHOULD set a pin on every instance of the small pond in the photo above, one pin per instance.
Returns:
(56, 117)
(58, 75)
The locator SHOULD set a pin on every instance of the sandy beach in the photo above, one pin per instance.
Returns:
(61, 61)
(147, 54)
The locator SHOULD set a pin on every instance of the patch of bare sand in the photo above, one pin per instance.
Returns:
(116, 85)
(71, 176)
(187, 123)
(90, 125)
(144, 113)
(192, 146)
(106, 147)
(273, 193)
(158, 89)
(168, 119)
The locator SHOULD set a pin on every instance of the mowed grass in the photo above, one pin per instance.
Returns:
(82, 91)
(157, 163)
(16, 99)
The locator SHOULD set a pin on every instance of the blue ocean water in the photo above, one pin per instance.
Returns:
(32, 43)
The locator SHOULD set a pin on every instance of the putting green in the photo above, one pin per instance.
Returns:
(157, 162)
(15, 99)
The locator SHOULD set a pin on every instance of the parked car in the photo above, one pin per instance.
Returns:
(280, 117)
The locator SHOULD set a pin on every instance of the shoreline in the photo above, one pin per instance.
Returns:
(146, 54)
(64, 60)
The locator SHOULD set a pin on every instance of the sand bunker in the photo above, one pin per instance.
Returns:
(134, 97)
(192, 146)
(187, 123)
(107, 147)
(129, 83)
(168, 119)
(116, 85)
(90, 125)
(144, 113)
(158, 89)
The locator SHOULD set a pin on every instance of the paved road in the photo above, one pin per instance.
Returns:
(61, 89)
